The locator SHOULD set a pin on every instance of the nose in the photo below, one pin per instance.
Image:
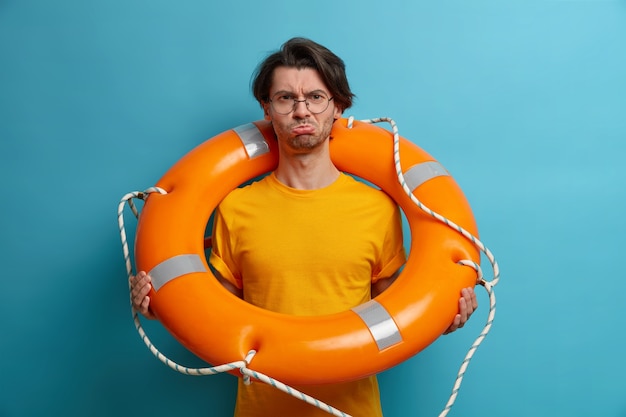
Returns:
(301, 108)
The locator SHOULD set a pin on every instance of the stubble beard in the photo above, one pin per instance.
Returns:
(305, 143)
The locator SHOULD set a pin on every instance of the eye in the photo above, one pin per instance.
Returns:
(284, 97)
(316, 98)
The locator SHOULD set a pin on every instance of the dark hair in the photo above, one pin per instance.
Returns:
(304, 53)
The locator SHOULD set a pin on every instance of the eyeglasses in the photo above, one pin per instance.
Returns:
(286, 103)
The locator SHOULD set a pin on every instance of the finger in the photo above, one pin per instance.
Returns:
(135, 287)
(470, 300)
(463, 315)
(144, 305)
(141, 303)
(474, 301)
(134, 279)
(142, 278)
(141, 284)
(455, 324)
(139, 294)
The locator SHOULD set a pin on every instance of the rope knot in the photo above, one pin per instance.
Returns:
(244, 367)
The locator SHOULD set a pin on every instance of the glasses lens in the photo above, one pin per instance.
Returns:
(285, 104)
(317, 103)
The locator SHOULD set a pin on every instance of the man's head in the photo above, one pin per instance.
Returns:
(303, 53)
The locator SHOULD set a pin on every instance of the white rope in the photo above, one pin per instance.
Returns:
(488, 285)
(241, 365)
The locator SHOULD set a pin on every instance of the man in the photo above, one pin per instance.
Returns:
(306, 239)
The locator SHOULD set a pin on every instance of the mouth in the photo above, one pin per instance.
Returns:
(303, 130)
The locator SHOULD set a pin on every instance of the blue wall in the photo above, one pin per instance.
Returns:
(523, 101)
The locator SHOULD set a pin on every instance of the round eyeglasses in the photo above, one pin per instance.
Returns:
(286, 103)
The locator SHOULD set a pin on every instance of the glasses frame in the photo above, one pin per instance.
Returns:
(306, 103)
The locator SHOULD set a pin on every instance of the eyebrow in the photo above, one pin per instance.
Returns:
(317, 91)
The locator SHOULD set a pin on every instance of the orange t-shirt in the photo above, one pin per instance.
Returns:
(307, 252)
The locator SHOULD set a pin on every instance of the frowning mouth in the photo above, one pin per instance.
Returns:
(303, 130)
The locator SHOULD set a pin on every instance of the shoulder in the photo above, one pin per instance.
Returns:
(366, 190)
(249, 192)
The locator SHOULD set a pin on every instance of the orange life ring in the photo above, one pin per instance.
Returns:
(221, 328)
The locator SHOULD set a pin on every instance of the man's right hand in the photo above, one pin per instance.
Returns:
(140, 286)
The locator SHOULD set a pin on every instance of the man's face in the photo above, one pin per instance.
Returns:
(301, 130)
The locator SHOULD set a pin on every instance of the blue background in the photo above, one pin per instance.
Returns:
(523, 101)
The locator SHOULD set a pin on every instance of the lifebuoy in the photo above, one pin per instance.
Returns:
(220, 328)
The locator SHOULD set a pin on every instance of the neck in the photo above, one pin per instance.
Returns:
(307, 171)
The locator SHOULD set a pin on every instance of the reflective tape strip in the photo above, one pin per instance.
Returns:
(380, 324)
(420, 173)
(252, 140)
(175, 267)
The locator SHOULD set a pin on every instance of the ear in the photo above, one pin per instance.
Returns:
(266, 110)
(337, 113)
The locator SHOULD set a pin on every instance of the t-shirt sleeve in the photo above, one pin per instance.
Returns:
(221, 258)
(393, 255)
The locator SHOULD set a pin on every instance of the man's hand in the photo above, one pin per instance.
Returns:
(140, 286)
(467, 305)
